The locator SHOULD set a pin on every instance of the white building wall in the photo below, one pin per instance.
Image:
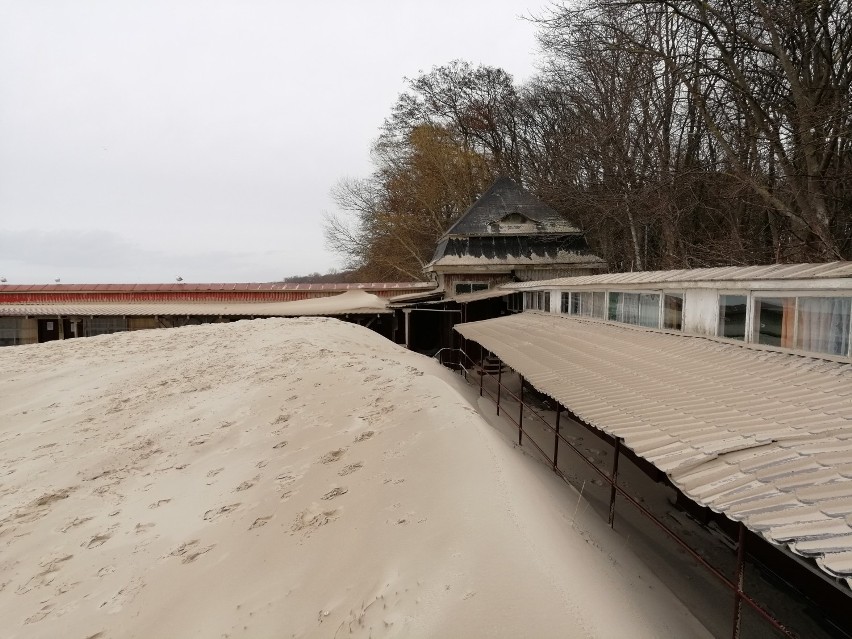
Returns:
(700, 311)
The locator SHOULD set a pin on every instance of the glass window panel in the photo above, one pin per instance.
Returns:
(478, 286)
(732, 316)
(773, 321)
(598, 304)
(104, 325)
(9, 331)
(630, 308)
(824, 324)
(582, 303)
(614, 303)
(649, 310)
(546, 305)
(566, 302)
(673, 311)
(516, 302)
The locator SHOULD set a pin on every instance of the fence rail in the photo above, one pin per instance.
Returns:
(736, 587)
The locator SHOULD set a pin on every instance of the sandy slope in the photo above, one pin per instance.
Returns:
(286, 478)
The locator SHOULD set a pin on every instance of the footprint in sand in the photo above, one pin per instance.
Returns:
(215, 513)
(125, 596)
(247, 484)
(41, 614)
(200, 439)
(307, 522)
(77, 521)
(158, 503)
(106, 570)
(335, 492)
(367, 434)
(332, 456)
(97, 540)
(194, 554)
(351, 468)
(286, 477)
(260, 521)
(50, 566)
(280, 444)
(215, 472)
(185, 547)
(49, 498)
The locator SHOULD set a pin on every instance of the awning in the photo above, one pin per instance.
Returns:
(764, 437)
(349, 303)
(476, 296)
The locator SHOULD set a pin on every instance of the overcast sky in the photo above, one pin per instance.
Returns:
(145, 139)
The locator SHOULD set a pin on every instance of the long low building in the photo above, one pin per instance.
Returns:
(41, 313)
(734, 382)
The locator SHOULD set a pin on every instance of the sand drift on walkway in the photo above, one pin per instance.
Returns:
(283, 478)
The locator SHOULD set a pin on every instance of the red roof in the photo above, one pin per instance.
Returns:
(188, 287)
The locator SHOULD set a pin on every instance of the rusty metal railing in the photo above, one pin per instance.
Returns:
(736, 587)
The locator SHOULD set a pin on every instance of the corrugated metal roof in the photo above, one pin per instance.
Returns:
(764, 437)
(415, 297)
(464, 298)
(190, 287)
(350, 302)
(718, 274)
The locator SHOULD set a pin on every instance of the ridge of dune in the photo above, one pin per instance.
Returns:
(288, 478)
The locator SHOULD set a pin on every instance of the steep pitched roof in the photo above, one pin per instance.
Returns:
(504, 198)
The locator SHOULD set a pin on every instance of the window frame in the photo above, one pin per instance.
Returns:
(747, 294)
(681, 293)
(480, 286)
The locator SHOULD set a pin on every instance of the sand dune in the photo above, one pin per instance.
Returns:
(286, 478)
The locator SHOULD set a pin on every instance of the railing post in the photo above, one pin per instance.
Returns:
(556, 436)
(407, 314)
(521, 415)
(738, 603)
(499, 384)
(614, 481)
(481, 374)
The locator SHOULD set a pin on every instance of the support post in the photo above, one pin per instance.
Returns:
(481, 375)
(521, 415)
(407, 313)
(556, 437)
(499, 384)
(614, 479)
(738, 602)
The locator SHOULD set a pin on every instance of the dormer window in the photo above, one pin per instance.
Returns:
(513, 223)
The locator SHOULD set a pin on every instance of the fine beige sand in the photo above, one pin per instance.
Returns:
(287, 478)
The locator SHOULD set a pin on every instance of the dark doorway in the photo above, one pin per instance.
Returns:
(48, 330)
(70, 328)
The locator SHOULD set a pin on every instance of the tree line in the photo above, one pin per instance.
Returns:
(675, 133)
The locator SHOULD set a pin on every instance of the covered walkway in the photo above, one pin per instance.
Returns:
(763, 437)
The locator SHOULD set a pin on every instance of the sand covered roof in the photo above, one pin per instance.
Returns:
(763, 437)
(287, 477)
(351, 302)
